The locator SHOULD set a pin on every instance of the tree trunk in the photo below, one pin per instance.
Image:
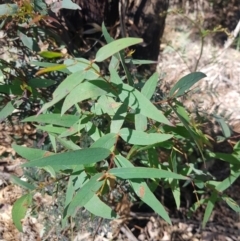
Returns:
(125, 18)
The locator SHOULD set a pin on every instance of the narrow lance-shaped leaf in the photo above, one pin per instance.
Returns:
(208, 211)
(185, 83)
(40, 83)
(90, 70)
(225, 128)
(30, 153)
(50, 54)
(86, 90)
(140, 61)
(108, 141)
(52, 68)
(8, 9)
(68, 4)
(20, 209)
(68, 144)
(106, 35)
(47, 64)
(150, 86)
(144, 172)
(99, 208)
(230, 158)
(22, 183)
(232, 204)
(142, 190)
(141, 104)
(84, 195)
(51, 129)
(114, 63)
(72, 130)
(141, 122)
(55, 119)
(64, 88)
(115, 78)
(29, 42)
(114, 47)
(227, 182)
(142, 138)
(119, 117)
(78, 157)
(6, 111)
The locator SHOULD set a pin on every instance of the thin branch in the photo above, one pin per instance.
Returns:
(232, 37)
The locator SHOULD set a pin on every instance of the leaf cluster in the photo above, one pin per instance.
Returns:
(110, 131)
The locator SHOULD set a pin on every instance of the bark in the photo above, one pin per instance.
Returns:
(139, 18)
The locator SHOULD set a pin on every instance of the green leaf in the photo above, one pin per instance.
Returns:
(68, 144)
(106, 35)
(20, 209)
(70, 190)
(210, 205)
(227, 182)
(144, 172)
(232, 204)
(84, 195)
(185, 83)
(54, 119)
(56, 67)
(184, 118)
(230, 158)
(99, 208)
(22, 183)
(141, 104)
(50, 54)
(108, 141)
(53, 142)
(115, 78)
(141, 122)
(142, 138)
(89, 70)
(40, 83)
(11, 89)
(51, 171)
(114, 47)
(78, 157)
(140, 61)
(145, 194)
(87, 90)
(51, 129)
(150, 86)
(126, 93)
(40, 7)
(142, 190)
(46, 64)
(119, 117)
(64, 88)
(153, 157)
(68, 4)
(114, 63)
(181, 111)
(108, 105)
(6, 111)
(75, 128)
(73, 185)
(30, 153)
(225, 128)
(8, 9)
(93, 131)
(29, 42)
(174, 184)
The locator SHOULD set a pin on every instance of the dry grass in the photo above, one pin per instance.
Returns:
(219, 93)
